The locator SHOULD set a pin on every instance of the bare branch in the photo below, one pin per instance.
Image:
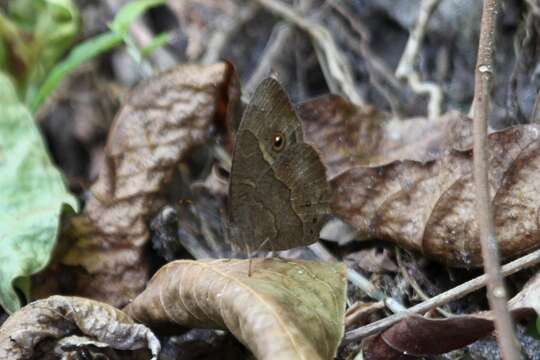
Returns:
(222, 36)
(280, 35)
(336, 68)
(406, 70)
(381, 77)
(484, 213)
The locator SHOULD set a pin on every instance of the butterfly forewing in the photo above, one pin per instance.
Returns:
(278, 194)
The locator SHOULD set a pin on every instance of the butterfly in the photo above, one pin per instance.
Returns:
(279, 196)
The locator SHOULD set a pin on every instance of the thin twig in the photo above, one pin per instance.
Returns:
(484, 213)
(441, 299)
(280, 36)
(380, 76)
(334, 64)
(221, 37)
(359, 311)
(360, 281)
(143, 36)
(406, 70)
(534, 6)
(414, 284)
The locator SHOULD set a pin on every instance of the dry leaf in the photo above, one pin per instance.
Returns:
(419, 336)
(59, 317)
(353, 133)
(411, 182)
(160, 123)
(429, 207)
(347, 135)
(285, 310)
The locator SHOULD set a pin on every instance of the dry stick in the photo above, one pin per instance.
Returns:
(360, 310)
(484, 213)
(379, 73)
(221, 37)
(280, 35)
(414, 284)
(535, 7)
(360, 281)
(336, 68)
(441, 299)
(405, 69)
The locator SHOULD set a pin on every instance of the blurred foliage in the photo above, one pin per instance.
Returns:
(92, 47)
(32, 44)
(34, 37)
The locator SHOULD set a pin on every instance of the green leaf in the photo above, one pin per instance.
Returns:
(92, 48)
(79, 55)
(38, 33)
(129, 12)
(32, 195)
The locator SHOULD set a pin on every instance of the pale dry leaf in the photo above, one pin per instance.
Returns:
(161, 121)
(528, 298)
(373, 260)
(59, 317)
(284, 310)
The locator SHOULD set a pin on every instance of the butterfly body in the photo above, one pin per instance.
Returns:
(278, 194)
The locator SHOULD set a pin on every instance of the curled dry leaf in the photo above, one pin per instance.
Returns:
(420, 336)
(60, 317)
(160, 123)
(284, 310)
(415, 188)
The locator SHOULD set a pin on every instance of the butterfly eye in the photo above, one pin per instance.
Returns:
(278, 141)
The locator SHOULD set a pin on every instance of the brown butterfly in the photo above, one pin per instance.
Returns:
(279, 196)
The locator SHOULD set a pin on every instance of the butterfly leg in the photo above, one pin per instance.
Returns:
(248, 250)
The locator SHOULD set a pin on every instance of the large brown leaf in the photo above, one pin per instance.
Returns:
(161, 121)
(411, 182)
(58, 318)
(284, 310)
